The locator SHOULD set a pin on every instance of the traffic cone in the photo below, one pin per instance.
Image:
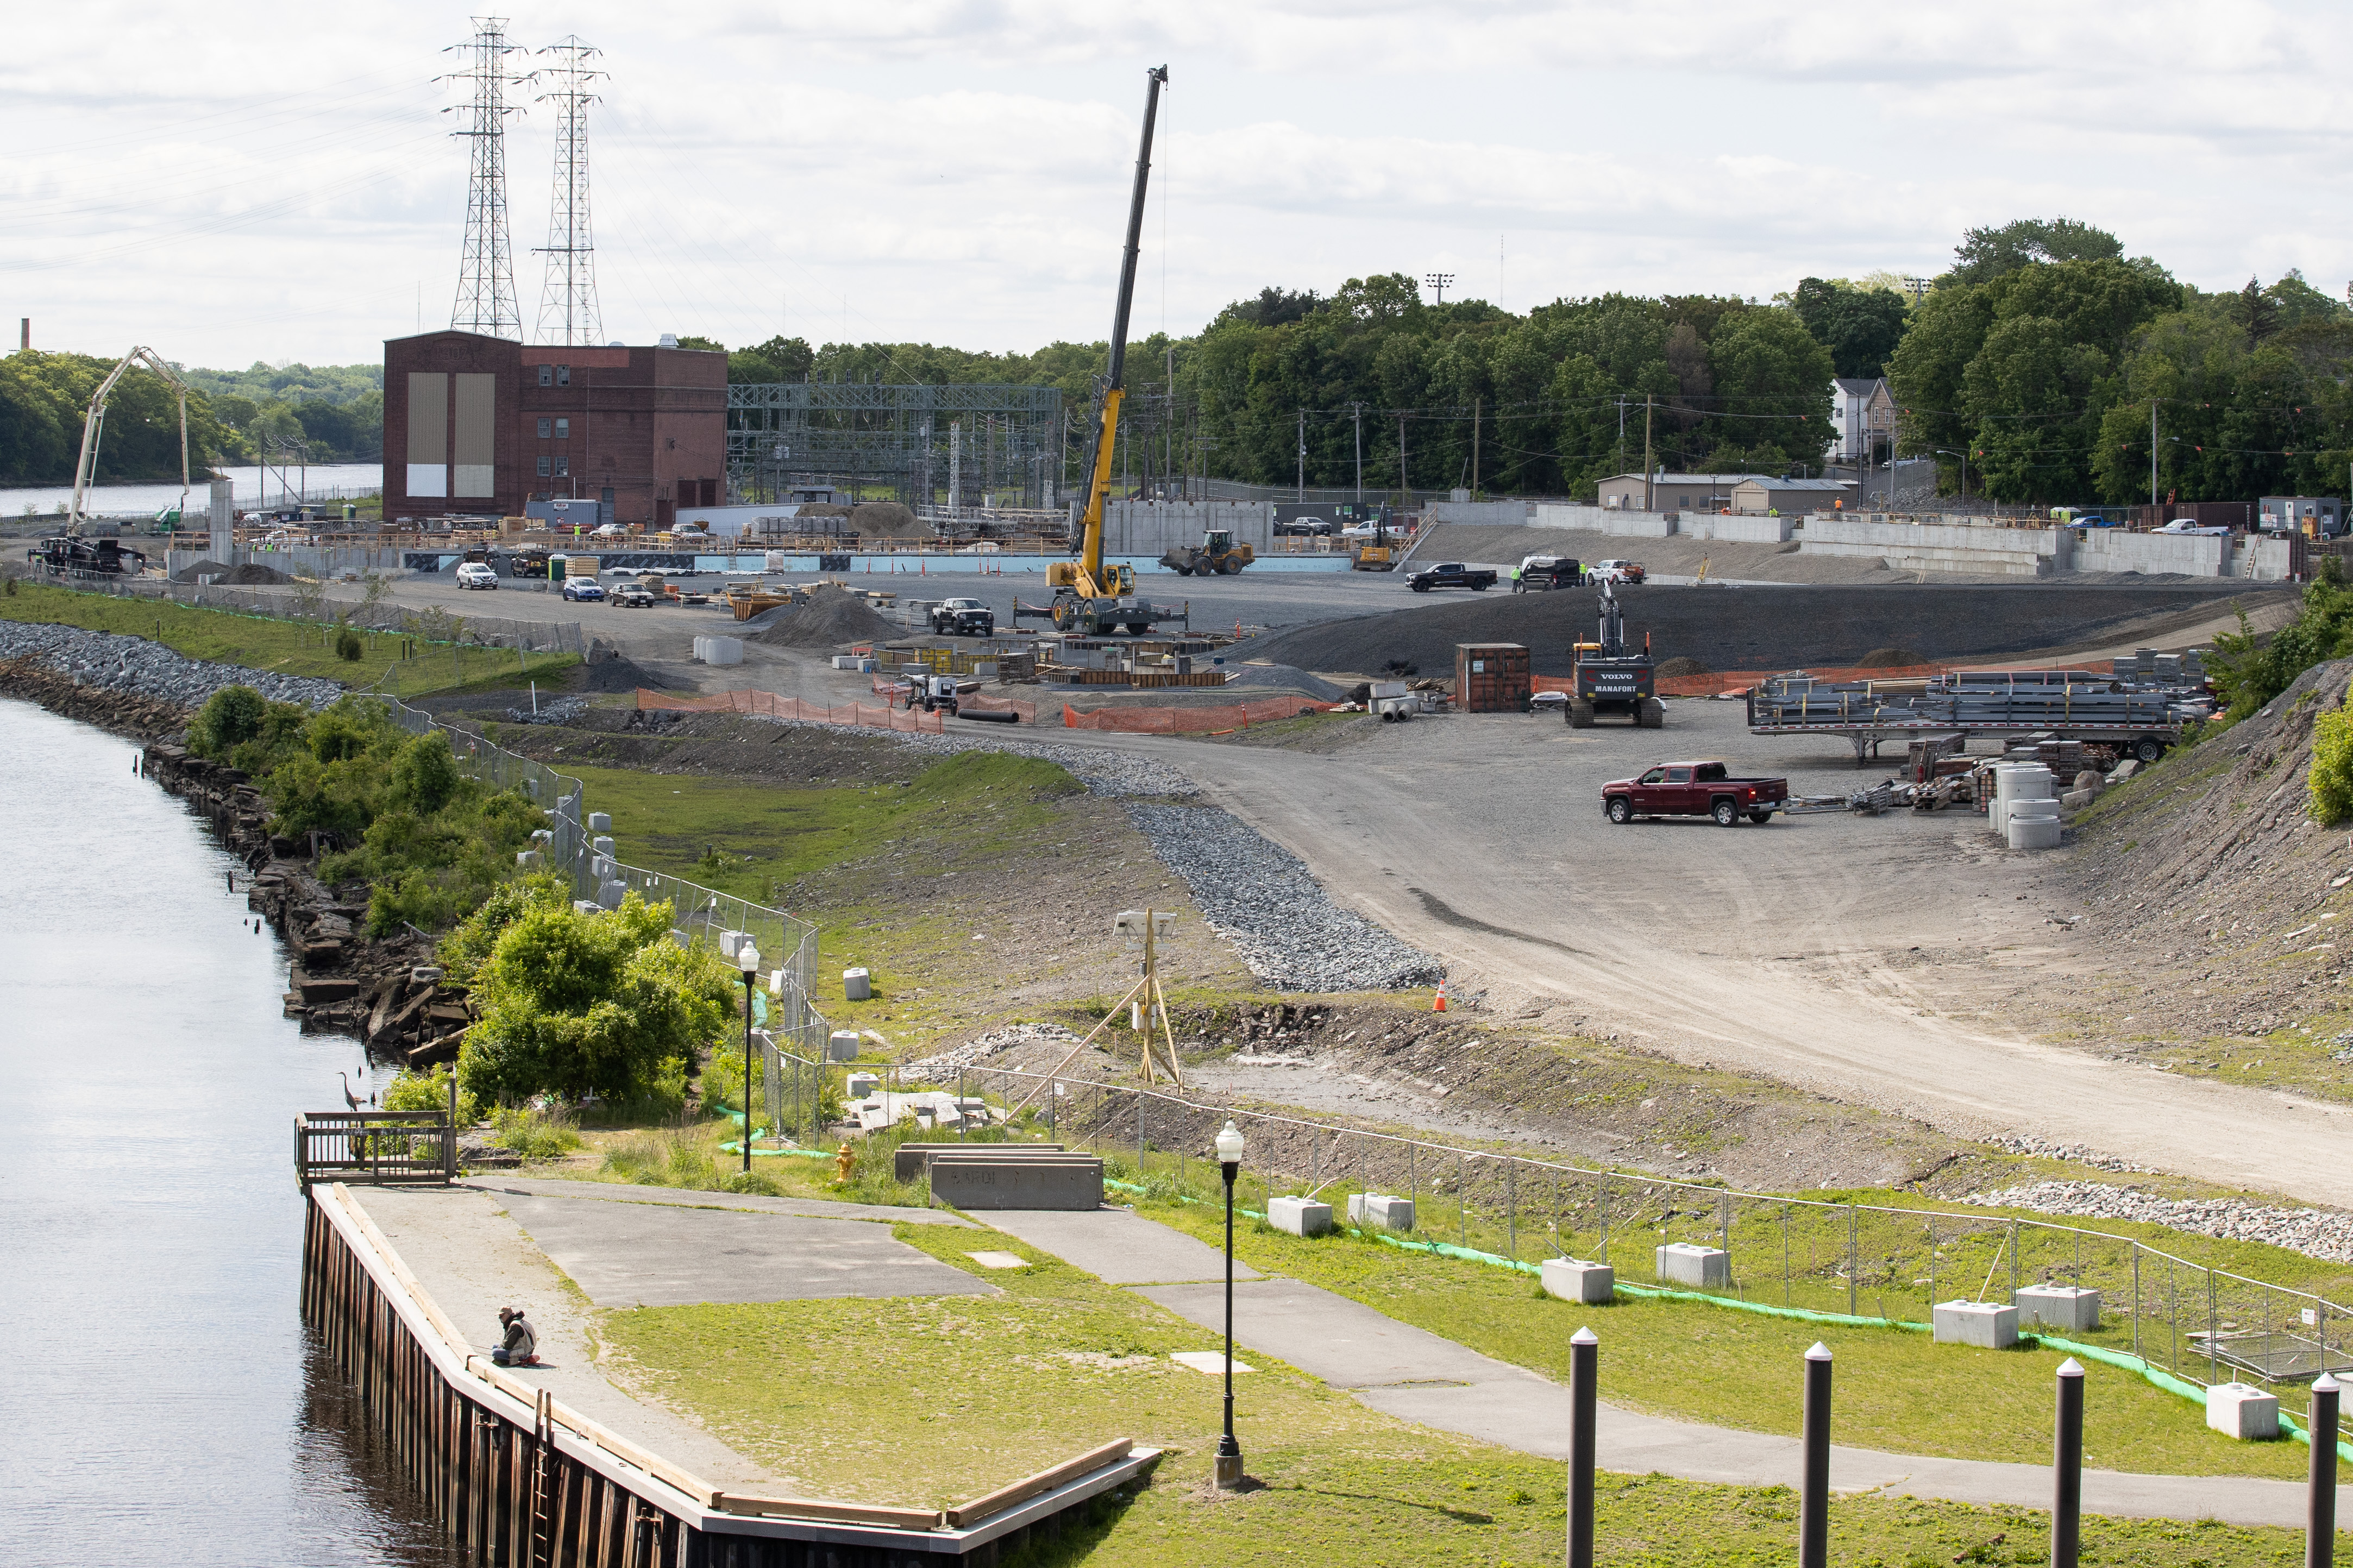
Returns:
(1439, 1005)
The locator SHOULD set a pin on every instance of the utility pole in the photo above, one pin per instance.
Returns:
(1647, 496)
(1474, 447)
(1358, 412)
(1403, 484)
(1302, 496)
(2152, 451)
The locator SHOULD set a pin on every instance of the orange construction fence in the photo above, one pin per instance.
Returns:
(860, 715)
(1202, 721)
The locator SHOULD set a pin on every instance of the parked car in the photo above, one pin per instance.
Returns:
(1693, 789)
(1451, 575)
(2190, 525)
(1306, 526)
(963, 618)
(1540, 573)
(609, 530)
(1613, 572)
(584, 590)
(632, 596)
(476, 574)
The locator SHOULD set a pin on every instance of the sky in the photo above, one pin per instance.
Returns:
(242, 182)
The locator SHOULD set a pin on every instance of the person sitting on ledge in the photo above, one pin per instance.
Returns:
(521, 1345)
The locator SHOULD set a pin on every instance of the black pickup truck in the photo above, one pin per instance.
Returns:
(1451, 575)
(963, 618)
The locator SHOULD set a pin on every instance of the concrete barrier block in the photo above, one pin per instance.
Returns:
(600, 822)
(611, 894)
(909, 1160)
(856, 985)
(1299, 1216)
(2067, 1307)
(841, 1046)
(1016, 1184)
(1990, 1325)
(1700, 1267)
(1590, 1284)
(2243, 1411)
(1378, 1212)
(863, 1084)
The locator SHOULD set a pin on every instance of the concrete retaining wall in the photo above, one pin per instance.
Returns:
(1493, 513)
(2264, 560)
(304, 560)
(2187, 554)
(1744, 528)
(1151, 527)
(1935, 546)
(1606, 519)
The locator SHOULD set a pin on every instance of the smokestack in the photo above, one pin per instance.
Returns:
(23, 332)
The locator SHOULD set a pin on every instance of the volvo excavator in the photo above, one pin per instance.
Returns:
(1092, 599)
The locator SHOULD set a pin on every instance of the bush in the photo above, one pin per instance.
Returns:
(751, 1182)
(536, 1134)
(348, 646)
(430, 1091)
(2331, 783)
(229, 717)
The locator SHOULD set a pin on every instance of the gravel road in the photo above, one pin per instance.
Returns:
(2315, 1232)
(136, 664)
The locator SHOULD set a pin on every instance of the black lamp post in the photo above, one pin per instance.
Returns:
(1229, 1452)
(747, 959)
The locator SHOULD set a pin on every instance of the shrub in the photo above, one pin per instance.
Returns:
(348, 646)
(229, 717)
(430, 1091)
(2331, 783)
(536, 1134)
(751, 1182)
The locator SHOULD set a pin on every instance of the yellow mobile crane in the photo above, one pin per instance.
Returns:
(1090, 598)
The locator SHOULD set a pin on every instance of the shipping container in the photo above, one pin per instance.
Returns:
(1492, 676)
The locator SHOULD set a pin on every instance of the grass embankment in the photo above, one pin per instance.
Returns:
(928, 1401)
(1689, 1359)
(285, 648)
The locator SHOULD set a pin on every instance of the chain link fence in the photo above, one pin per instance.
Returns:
(1866, 1263)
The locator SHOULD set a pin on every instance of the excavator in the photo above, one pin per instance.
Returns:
(1090, 598)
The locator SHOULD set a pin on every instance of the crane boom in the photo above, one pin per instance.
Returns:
(1089, 584)
(93, 428)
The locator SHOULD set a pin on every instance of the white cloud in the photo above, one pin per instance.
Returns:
(235, 182)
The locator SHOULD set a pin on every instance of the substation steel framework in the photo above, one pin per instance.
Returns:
(783, 435)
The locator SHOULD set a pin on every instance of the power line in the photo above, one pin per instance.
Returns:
(486, 291)
(567, 302)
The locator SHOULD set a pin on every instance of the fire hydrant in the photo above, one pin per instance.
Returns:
(843, 1159)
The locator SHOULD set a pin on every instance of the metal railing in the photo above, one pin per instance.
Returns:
(378, 1146)
(1867, 1262)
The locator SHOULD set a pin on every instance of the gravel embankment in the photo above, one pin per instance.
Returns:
(135, 665)
(1265, 900)
(1103, 771)
(2315, 1232)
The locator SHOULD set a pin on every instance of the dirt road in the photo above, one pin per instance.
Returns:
(1865, 958)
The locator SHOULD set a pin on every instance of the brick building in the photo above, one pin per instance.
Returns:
(479, 426)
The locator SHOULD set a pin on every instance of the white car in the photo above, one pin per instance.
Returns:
(1613, 572)
(476, 574)
(2190, 525)
(609, 530)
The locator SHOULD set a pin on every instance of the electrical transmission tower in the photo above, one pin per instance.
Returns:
(567, 305)
(486, 292)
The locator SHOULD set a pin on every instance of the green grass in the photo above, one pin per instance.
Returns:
(881, 1402)
(284, 647)
(1897, 1390)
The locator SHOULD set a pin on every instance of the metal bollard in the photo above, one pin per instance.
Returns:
(1814, 1502)
(2320, 1506)
(1584, 1395)
(2067, 1468)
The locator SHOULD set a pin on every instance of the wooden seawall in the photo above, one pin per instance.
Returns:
(520, 1481)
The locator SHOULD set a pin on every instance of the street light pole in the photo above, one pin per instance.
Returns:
(747, 958)
(1229, 1452)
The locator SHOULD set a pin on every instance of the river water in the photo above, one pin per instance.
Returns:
(160, 1401)
(322, 480)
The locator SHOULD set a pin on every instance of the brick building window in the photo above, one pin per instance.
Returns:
(564, 375)
(563, 467)
(544, 426)
(547, 375)
(544, 468)
(564, 429)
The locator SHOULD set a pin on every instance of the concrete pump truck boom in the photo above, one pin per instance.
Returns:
(1090, 598)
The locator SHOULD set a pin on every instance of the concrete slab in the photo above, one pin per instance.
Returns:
(643, 1255)
(680, 1197)
(1210, 1362)
(999, 1259)
(1118, 1248)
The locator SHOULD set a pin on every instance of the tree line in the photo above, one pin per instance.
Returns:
(336, 412)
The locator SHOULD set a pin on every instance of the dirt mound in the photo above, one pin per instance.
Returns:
(1283, 678)
(1767, 627)
(246, 575)
(2195, 875)
(617, 673)
(1681, 665)
(884, 520)
(829, 619)
(1889, 658)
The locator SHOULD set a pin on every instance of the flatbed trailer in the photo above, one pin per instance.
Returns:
(2147, 742)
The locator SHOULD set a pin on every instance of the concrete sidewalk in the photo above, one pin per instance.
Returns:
(1116, 1246)
(1418, 1376)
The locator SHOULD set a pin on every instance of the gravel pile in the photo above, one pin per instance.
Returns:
(563, 710)
(2022, 1144)
(829, 618)
(150, 670)
(2315, 1232)
(980, 1047)
(1262, 898)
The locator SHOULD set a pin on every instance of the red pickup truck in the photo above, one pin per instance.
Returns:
(1693, 789)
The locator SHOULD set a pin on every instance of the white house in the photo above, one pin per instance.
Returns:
(1860, 404)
